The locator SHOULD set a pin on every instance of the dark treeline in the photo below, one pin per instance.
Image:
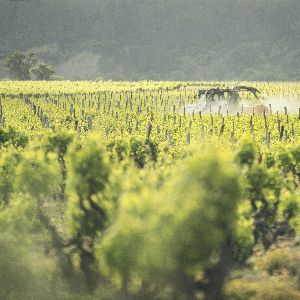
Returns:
(167, 40)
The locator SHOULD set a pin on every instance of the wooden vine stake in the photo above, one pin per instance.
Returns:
(232, 137)
(75, 123)
(202, 131)
(281, 132)
(221, 130)
(90, 123)
(251, 124)
(157, 129)
(268, 138)
(265, 121)
(188, 138)
(149, 129)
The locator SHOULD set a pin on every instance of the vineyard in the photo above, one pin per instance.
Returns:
(111, 190)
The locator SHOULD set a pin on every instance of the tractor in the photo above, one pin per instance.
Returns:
(228, 99)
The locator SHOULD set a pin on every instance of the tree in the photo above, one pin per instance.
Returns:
(43, 71)
(18, 64)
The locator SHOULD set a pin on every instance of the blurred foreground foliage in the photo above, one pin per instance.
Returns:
(81, 219)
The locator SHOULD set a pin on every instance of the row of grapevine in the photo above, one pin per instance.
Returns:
(122, 195)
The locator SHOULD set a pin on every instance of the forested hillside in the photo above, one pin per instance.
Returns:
(170, 39)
